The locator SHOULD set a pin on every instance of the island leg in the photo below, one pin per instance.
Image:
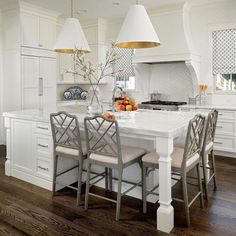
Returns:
(7, 124)
(165, 212)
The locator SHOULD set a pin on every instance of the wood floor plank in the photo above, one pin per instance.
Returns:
(29, 210)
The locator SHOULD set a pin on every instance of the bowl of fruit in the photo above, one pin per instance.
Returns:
(126, 108)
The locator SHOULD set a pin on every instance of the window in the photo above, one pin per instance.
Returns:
(224, 59)
(126, 77)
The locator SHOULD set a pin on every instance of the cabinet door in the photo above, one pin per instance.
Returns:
(30, 30)
(47, 32)
(22, 154)
(48, 73)
(30, 76)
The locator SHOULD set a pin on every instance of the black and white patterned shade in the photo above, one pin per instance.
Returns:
(125, 63)
(224, 51)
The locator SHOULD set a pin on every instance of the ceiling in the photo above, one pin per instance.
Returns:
(99, 8)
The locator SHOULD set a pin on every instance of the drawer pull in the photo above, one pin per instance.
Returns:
(219, 127)
(40, 127)
(220, 114)
(43, 168)
(218, 143)
(41, 145)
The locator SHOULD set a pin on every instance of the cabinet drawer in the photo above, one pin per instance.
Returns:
(43, 168)
(43, 128)
(225, 127)
(223, 114)
(43, 145)
(226, 144)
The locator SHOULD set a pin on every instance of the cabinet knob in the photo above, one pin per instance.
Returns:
(40, 45)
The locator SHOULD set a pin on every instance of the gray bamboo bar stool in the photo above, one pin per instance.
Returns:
(67, 144)
(208, 151)
(104, 149)
(183, 161)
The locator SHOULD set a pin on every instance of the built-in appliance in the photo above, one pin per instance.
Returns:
(161, 105)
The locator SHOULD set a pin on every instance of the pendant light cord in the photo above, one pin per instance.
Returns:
(137, 3)
(71, 9)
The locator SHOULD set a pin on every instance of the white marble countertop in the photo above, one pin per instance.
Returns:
(209, 106)
(144, 122)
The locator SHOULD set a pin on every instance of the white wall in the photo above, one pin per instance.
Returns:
(201, 21)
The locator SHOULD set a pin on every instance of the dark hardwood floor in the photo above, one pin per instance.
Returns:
(29, 210)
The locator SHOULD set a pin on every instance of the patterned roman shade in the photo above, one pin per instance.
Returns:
(124, 64)
(224, 51)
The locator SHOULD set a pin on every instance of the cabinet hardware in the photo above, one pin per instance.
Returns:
(40, 86)
(220, 114)
(40, 127)
(218, 143)
(40, 45)
(41, 145)
(220, 127)
(43, 168)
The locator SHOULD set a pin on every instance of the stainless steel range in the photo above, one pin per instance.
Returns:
(161, 105)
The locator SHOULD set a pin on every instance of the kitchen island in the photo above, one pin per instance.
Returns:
(30, 148)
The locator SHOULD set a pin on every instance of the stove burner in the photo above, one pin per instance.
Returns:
(166, 103)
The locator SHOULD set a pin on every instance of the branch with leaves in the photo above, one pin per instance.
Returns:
(94, 73)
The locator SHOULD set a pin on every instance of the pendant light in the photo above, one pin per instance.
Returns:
(137, 30)
(71, 38)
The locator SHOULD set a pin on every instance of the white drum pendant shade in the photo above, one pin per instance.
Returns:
(137, 30)
(71, 38)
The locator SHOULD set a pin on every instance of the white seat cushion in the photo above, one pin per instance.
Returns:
(71, 151)
(209, 146)
(128, 154)
(177, 158)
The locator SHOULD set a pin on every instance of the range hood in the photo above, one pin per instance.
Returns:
(176, 46)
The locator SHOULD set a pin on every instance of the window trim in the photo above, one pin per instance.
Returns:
(211, 28)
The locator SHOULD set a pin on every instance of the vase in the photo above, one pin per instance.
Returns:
(95, 106)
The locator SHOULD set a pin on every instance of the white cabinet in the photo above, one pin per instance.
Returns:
(34, 68)
(21, 146)
(37, 31)
(30, 153)
(225, 137)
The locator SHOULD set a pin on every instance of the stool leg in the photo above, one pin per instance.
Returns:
(200, 185)
(144, 173)
(87, 185)
(204, 170)
(54, 175)
(118, 203)
(110, 179)
(79, 180)
(106, 178)
(185, 196)
(214, 168)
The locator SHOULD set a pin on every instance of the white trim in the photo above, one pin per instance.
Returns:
(211, 28)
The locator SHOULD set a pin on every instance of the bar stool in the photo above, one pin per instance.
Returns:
(104, 149)
(207, 150)
(183, 161)
(67, 144)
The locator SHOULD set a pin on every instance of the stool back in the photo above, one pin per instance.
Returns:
(193, 142)
(210, 128)
(102, 137)
(65, 130)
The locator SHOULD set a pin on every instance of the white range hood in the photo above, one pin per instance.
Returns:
(172, 26)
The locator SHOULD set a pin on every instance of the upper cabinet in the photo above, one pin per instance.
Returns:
(37, 31)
